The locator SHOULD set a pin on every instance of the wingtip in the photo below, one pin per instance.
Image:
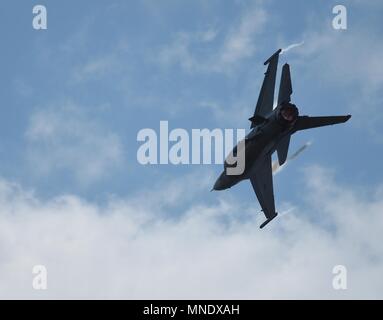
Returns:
(267, 221)
(272, 56)
(346, 118)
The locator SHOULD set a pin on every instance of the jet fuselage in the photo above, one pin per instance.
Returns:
(260, 141)
(271, 131)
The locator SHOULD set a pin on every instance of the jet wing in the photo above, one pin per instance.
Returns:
(262, 182)
(266, 96)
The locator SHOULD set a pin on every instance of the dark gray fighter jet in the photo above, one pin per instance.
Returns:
(271, 130)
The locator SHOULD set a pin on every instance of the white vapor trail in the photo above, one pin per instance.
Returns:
(291, 46)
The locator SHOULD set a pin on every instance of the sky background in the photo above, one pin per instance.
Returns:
(74, 198)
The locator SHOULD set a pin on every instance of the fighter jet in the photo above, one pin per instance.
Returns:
(271, 131)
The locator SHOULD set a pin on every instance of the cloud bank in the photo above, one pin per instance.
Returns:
(130, 249)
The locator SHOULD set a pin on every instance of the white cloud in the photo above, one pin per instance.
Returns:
(240, 42)
(122, 250)
(237, 44)
(64, 138)
(350, 61)
(339, 52)
(96, 67)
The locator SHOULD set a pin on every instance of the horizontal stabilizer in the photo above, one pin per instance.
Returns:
(306, 122)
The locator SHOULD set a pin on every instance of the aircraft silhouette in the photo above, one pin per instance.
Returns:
(271, 130)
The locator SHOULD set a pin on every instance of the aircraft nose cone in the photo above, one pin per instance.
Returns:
(220, 183)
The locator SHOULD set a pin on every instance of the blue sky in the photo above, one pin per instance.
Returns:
(74, 97)
(105, 60)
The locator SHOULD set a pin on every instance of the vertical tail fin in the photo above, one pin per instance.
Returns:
(285, 87)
